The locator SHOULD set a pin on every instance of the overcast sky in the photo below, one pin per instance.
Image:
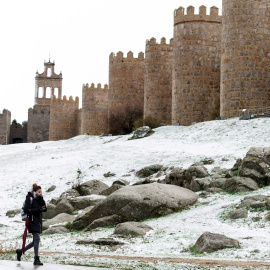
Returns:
(79, 35)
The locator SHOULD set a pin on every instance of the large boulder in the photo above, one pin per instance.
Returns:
(199, 184)
(218, 183)
(83, 202)
(240, 184)
(196, 172)
(132, 229)
(248, 200)
(256, 165)
(239, 213)
(176, 177)
(209, 242)
(51, 212)
(149, 170)
(135, 203)
(70, 193)
(59, 219)
(56, 230)
(141, 132)
(92, 187)
(64, 206)
(111, 189)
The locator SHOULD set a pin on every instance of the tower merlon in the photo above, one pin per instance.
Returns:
(180, 17)
(119, 57)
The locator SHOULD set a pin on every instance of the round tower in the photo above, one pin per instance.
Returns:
(196, 69)
(126, 83)
(158, 79)
(245, 69)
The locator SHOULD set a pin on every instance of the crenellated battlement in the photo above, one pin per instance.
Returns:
(65, 100)
(119, 57)
(181, 17)
(87, 88)
(153, 45)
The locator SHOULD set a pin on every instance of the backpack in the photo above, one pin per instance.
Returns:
(23, 214)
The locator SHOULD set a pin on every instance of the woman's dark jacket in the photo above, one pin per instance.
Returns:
(34, 210)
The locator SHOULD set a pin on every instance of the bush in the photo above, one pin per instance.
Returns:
(149, 120)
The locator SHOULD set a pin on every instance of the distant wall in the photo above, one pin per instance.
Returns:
(5, 119)
(38, 123)
(95, 109)
(18, 134)
(63, 118)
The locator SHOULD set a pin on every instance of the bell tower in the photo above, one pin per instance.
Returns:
(48, 84)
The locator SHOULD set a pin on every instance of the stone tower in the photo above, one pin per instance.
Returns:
(95, 109)
(196, 70)
(158, 79)
(5, 119)
(245, 66)
(48, 84)
(126, 82)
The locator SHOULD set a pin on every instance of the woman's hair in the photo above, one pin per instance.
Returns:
(36, 187)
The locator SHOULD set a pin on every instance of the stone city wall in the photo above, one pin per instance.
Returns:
(5, 119)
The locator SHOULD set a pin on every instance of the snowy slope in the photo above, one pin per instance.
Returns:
(49, 163)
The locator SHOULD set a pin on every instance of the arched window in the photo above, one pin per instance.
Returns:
(40, 92)
(49, 72)
(48, 92)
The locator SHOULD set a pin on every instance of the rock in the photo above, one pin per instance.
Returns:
(55, 201)
(132, 229)
(59, 219)
(143, 182)
(215, 176)
(176, 177)
(224, 159)
(84, 211)
(109, 174)
(207, 161)
(209, 242)
(236, 165)
(257, 205)
(64, 206)
(218, 183)
(100, 241)
(134, 203)
(240, 184)
(50, 189)
(70, 193)
(262, 153)
(56, 230)
(214, 190)
(13, 213)
(268, 216)
(104, 222)
(219, 170)
(255, 169)
(239, 213)
(92, 187)
(248, 200)
(111, 189)
(196, 171)
(229, 174)
(149, 170)
(121, 182)
(83, 201)
(141, 132)
(50, 211)
(199, 184)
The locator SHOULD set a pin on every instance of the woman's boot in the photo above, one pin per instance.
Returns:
(19, 254)
(37, 261)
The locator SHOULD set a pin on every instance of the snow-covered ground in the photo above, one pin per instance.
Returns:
(49, 163)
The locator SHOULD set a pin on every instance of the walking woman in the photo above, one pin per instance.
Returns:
(34, 206)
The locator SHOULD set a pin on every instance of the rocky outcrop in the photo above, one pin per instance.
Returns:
(70, 193)
(111, 189)
(240, 184)
(56, 230)
(92, 187)
(199, 184)
(196, 172)
(176, 177)
(132, 229)
(134, 203)
(59, 219)
(141, 132)
(209, 242)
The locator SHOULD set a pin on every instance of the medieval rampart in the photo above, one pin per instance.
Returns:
(196, 69)
(5, 119)
(158, 79)
(245, 62)
(95, 109)
(63, 118)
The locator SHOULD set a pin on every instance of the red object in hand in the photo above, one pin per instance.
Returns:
(25, 233)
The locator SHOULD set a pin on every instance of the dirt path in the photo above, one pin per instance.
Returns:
(202, 262)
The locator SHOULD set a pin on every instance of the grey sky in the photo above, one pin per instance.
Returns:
(79, 35)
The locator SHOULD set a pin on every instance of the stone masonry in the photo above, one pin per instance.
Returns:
(63, 118)
(158, 79)
(196, 72)
(95, 109)
(245, 61)
(126, 82)
(5, 119)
